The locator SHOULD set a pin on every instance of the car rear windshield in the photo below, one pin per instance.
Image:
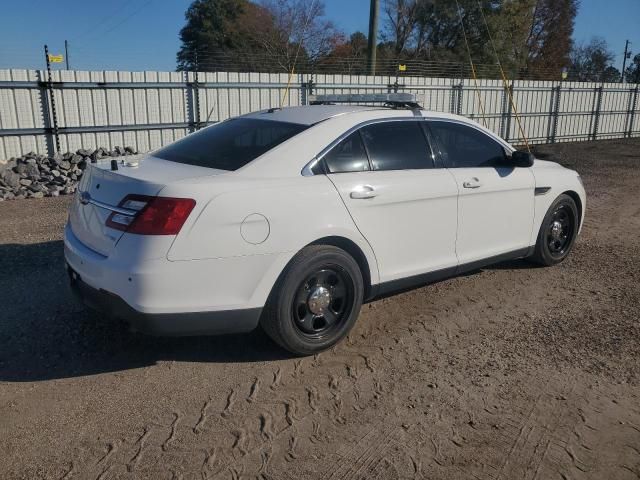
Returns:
(231, 144)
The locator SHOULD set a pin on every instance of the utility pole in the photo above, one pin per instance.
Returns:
(627, 54)
(66, 54)
(373, 34)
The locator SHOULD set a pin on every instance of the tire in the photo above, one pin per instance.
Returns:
(315, 302)
(558, 232)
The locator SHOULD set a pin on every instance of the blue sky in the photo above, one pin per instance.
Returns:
(143, 34)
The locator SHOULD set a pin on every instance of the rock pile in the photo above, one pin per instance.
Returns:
(37, 176)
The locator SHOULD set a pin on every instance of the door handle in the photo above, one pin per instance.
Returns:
(472, 183)
(363, 192)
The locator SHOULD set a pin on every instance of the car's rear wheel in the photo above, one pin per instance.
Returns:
(315, 302)
(558, 232)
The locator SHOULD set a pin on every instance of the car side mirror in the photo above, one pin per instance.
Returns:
(521, 158)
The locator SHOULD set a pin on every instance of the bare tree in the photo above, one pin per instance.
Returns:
(401, 22)
(300, 32)
(590, 61)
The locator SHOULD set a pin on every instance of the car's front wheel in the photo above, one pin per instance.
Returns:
(558, 232)
(316, 301)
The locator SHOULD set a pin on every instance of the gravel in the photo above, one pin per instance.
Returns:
(37, 176)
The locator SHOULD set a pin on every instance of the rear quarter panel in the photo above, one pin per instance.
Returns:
(298, 210)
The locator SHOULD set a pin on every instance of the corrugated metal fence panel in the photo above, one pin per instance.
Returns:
(21, 108)
(114, 107)
(107, 108)
(482, 100)
(614, 110)
(576, 111)
(532, 100)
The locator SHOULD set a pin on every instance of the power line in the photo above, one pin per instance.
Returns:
(135, 12)
(102, 21)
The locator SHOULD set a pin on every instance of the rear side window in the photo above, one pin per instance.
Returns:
(466, 147)
(348, 156)
(397, 146)
(231, 144)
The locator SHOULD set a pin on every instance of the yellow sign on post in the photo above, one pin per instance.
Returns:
(402, 68)
(56, 58)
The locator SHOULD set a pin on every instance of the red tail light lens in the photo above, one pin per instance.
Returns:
(153, 215)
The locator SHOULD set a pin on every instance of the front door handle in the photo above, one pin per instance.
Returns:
(472, 183)
(363, 192)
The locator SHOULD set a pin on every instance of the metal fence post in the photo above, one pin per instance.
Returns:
(196, 91)
(505, 119)
(43, 92)
(54, 116)
(632, 110)
(554, 114)
(190, 100)
(456, 99)
(596, 113)
(306, 89)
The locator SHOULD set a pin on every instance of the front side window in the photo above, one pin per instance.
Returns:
(231, 144)
(348, 156)
(466, 147)
(397, 145)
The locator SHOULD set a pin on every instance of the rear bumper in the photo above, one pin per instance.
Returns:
(165, 324)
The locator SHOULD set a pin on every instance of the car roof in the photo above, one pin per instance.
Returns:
(327, 123)
(312, 114)
(309, 114)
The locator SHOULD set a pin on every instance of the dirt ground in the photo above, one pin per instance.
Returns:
(511, 372)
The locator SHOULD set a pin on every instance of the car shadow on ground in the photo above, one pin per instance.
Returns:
(46, 334)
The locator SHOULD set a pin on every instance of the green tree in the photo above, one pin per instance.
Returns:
(264, 35)
(215, 30)
(611, 74)
(632, 72)
(533, 34)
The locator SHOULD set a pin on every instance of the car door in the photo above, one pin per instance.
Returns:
(402, 205)
(496, 202)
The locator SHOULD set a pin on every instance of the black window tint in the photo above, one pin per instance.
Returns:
(229, 145)
(348, 156)
(397, 146)
(466, 147)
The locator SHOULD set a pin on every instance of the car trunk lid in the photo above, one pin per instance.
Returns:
(101, 189)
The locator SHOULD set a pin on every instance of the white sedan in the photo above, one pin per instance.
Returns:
(292, 218)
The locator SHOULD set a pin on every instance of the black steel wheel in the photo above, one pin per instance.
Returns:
(558, 232)
(560, 229)
(323, 301)
(315, 302)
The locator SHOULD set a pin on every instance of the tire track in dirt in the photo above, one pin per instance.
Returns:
(316, 404)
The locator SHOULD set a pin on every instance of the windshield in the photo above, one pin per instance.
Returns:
(231, 144)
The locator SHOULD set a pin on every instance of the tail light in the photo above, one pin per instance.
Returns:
(145, 215)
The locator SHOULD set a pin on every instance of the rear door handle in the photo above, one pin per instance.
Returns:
(363, 192)
(472, 183)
